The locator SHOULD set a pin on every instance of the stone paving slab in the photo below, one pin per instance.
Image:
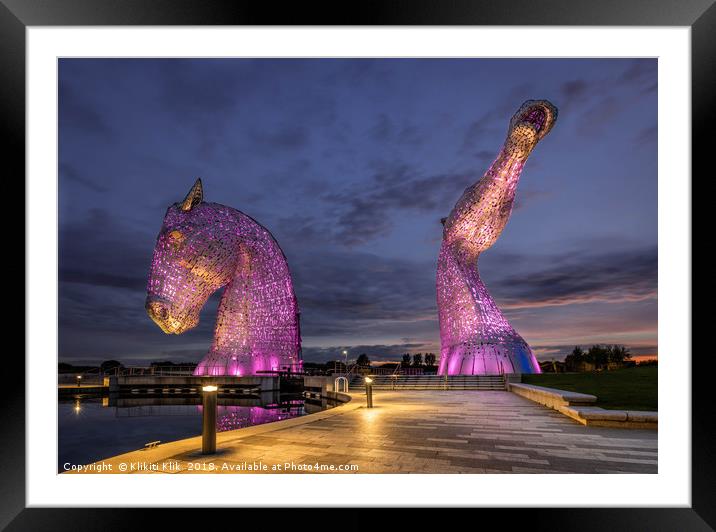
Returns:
(420, 432)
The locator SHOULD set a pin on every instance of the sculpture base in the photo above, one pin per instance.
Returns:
(243, 366)
(488, 359)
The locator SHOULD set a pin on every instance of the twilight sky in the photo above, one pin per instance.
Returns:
(351, 164)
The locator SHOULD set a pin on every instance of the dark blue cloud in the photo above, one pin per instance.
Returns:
(647, 135)
(76, 115)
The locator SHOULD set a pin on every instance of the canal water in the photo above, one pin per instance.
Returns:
(93, 428)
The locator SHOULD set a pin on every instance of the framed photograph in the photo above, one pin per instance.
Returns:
(252, 259)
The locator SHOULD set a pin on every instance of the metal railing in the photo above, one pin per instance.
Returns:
(283, 371)
(91, 377)
(397, 381)
(340, 384)
(155, 371)
(345, 377)
(96, 376)
(394, 376)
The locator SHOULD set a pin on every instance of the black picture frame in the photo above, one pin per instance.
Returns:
(16, 15)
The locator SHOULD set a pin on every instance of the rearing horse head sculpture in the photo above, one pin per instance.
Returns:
(475, 337)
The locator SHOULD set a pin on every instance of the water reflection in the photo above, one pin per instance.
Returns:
(233, 417)
(92, 428)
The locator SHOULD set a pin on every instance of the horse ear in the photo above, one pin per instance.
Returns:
(194, 198)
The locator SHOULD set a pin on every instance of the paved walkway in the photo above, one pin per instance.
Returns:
(417, 432)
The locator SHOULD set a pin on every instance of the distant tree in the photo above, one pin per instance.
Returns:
(160, 363)
(418, 359)
(363, 360)
(618, 354)
(598, 355)
(109, 365)
(573, 360)
(406, 360)
(627, 353)
(64, 367)
(430, 360)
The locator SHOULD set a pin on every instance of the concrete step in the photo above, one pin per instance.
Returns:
(430, 382)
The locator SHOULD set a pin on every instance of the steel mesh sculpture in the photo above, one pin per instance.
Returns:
(205, 246)
(475, 337)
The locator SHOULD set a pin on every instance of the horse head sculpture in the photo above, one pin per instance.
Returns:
(203, 247)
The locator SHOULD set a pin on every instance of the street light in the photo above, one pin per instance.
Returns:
(79, 380)
(208, 430)
(369, 391)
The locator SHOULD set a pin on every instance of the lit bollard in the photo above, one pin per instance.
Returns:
(369, 391)
(208, 430)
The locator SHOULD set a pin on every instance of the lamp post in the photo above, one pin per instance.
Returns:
(345, 361)
(79, 380)
(369, 391)
(208, 430)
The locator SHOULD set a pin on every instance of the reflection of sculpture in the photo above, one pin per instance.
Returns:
(231, 417)
(204, 246)
(475, 337)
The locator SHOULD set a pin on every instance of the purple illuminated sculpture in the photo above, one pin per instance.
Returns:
(204, 246)
(475, 337)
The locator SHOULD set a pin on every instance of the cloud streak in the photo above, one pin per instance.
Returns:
(365, 212)
(628, 276)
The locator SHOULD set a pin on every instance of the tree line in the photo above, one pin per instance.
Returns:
(599, 356)
(418, 360)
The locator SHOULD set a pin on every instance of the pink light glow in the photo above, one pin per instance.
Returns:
(205, 246)
(475, 337)
(232, 417)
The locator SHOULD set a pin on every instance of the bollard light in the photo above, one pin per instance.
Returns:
(208, 430)
(369, 391)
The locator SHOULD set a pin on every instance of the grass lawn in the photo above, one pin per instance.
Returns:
(627, 389)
